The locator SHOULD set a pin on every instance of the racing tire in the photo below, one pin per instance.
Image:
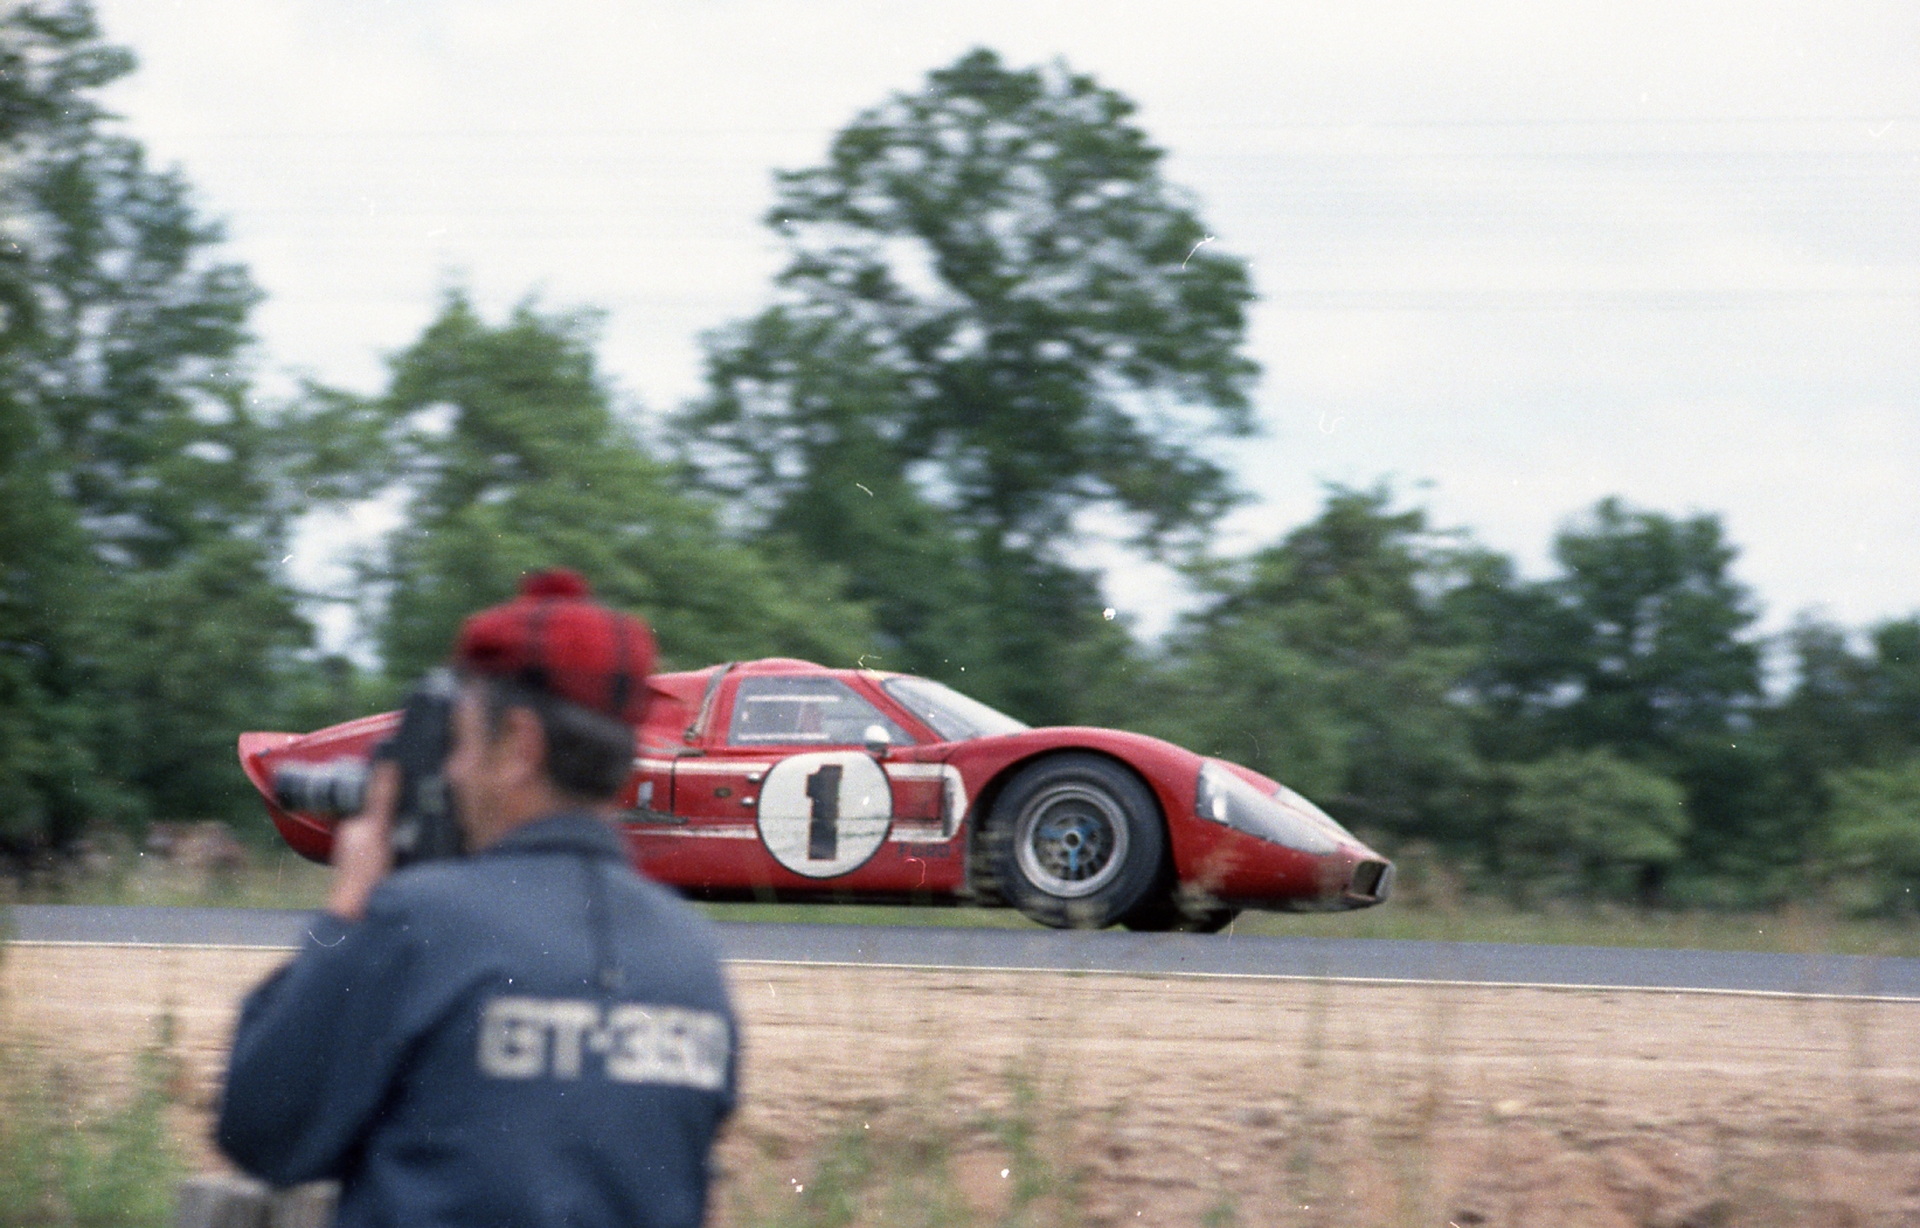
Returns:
(1168, 915)
(1075, 841)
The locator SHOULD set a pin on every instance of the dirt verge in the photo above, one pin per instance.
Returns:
(1212, 1100)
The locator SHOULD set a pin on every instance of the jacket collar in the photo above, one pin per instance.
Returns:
(570, 831)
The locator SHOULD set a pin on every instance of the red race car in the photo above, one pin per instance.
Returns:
(784, 780)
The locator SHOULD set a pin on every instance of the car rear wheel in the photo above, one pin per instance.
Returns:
(1076, 841)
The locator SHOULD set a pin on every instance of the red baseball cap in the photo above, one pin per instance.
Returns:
(555, 638)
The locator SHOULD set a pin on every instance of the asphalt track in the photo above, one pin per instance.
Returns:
(1111, 951)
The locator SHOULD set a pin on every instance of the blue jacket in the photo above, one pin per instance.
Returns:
(534, 1035)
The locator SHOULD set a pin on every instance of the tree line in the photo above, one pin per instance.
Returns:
(997, 325)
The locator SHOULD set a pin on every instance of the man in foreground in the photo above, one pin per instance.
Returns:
(528, 1035)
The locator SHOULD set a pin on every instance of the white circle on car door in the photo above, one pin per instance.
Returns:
(823, 814)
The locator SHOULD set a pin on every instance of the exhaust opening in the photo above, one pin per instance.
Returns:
(1369, 880)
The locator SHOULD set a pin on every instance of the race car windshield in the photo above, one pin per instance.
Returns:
(949, 713)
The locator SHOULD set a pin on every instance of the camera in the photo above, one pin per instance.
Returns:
(424, 825)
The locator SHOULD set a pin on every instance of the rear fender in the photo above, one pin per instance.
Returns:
(253, 746)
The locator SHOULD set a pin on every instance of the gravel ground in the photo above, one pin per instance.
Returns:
(1119, 1099)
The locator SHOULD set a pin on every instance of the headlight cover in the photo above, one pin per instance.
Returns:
(1284, 818)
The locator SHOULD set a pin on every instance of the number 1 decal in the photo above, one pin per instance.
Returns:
(823, 790)
(824, 813)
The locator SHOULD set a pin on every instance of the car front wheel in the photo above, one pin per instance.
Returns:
(1166, 913)
(1076, 841)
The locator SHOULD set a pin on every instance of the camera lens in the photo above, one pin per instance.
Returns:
(331, 790)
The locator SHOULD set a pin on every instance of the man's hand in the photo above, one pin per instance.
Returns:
(363, 845)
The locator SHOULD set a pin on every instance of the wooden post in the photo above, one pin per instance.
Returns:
(303, 1206)
(217, 1200)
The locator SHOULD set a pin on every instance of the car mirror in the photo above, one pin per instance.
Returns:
(878, 740)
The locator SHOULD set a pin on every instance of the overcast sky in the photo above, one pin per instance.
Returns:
(1513, 257)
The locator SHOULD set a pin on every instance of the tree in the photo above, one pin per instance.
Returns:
(1891, 699)
(1637, 644)
(1329, 661)
(1592, 823)
(995, 316)
(136, 480)
(46, 761)
(1519, 682)
(1850, 708)
(1657, 653)
(46, 61)
(1874, 840)
(511, 458)
(1642, 646)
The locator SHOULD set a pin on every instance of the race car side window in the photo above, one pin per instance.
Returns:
(811, 711)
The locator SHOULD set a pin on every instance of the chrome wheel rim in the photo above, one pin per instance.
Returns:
(1071, 840)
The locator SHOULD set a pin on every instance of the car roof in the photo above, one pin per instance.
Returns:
(690, 684)
(781, 665)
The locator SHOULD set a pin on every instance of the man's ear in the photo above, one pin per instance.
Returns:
(523, 740)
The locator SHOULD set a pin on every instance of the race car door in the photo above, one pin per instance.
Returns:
(786, 797)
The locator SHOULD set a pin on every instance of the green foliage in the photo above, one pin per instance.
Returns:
(998, 258)
(1045, 650)
(1849, 708)
(140, 513)
(1330, 661)
(1589, 823)
(506, 443)
(49, 60)
(1652, 631)
(222, 613)
(1641, 645)
(995, 315)
(849, 500)
(47, 769)
(1638, 644)
(1874, 838)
